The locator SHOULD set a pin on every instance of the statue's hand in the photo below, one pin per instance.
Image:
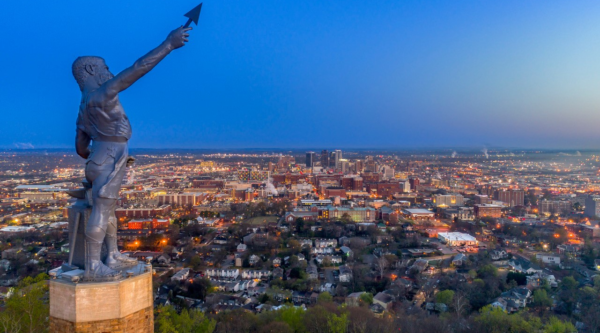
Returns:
(178, 37)
(130, 161)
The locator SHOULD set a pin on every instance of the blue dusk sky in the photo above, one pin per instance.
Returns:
(330, 74)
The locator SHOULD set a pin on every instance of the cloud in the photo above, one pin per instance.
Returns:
(24, 145)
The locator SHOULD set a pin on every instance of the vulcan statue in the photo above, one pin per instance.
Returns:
(103, 123)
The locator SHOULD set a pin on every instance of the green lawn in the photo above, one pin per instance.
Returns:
(262, 220)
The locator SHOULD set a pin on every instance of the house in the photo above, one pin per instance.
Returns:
(253, 259)
(228, 274)
(377, 310)
(6, 292)
(278, 273)
(163, 259)
(436, 307)
(301, 297)
(384, 299)
(250, 274)
(5, 264)
(301, 257)
(498, 255)
(420, 265)
(277, 262)
(327, 287)
(322, 250)
(459, 259)
(506, 305)
(523, 265)
(548, 259)
(597, 264)
(354, 298)
(11, 253)
(242, 247)
(220, 240)
(573, 250)
(333, 260)
(232, 286)
(321, 242)
(344, 240)
(181, 275)
(255, 291)
(520, 296)
(346, 251)
(583, 271)
(535, 280)
(345, 274)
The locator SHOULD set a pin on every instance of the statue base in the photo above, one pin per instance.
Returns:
(121, 306)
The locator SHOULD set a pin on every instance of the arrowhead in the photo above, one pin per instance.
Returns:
(194, 14)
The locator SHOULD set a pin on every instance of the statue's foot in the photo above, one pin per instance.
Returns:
(117, 260)
(97, 271)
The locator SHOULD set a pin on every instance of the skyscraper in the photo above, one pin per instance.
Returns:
(338, 157)
(310, 158)
(370, 164)
(324, 158)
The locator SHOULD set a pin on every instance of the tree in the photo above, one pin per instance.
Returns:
(276, 327)
(555, 325)
(569, 283)
(487, 271)
(199, 288)
(381, 263)
(294, 317)
(367, 298)
(444, 296)
(460, 304)
(472, 274)
(25, 310)
(541, 299)
(337, 324)
(264, 298)
(169, 321)
(324, 297)
(196, 262)
(316, 319)
(346, 218)
(519, 278)
(299, 224)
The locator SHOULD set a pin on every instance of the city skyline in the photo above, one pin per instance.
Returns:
(336, 74)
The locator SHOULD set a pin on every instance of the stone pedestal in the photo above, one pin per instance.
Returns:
(124, 306)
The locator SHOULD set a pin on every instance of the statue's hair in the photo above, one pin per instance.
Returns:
(78, 68)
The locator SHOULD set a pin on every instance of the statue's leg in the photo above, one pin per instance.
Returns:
(102, 210)
(115, 259)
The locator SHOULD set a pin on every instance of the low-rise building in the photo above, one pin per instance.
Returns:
(457, 239)
(181, 275)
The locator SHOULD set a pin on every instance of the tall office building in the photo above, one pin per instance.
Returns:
(324, 158)
(592, 206)
(338, 158)
(555, 207)
(359, 166)
(370, 164)
(344, 165)
(310, 158)
(332, 159)
(511, 197)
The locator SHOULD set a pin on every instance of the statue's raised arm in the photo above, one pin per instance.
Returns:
(176, 39)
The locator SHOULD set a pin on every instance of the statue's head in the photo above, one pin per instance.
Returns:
(91, 71)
